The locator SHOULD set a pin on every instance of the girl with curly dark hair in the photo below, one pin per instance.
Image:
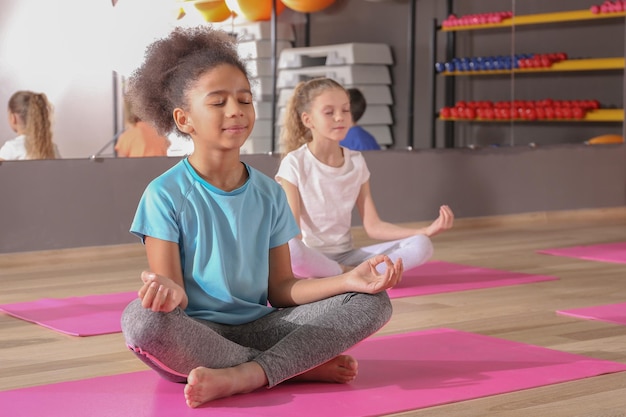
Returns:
(220, 308)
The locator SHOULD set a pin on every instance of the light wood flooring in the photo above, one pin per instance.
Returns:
(32, 355)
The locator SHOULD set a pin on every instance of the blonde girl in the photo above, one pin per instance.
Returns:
(30, 116)
(324, 181)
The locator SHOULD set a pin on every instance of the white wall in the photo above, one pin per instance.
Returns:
(60, 49)
(69, 51)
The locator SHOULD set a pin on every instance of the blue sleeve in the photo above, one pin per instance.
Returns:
(156, 215)
(359, 139)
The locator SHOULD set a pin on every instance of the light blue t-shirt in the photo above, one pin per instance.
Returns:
(224, 238)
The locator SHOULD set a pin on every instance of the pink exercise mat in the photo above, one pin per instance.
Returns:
(438, 277)
(611, 313)
(397, 373)
(605, 252)
(77, 316)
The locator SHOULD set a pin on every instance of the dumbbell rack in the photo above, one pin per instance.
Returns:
(593, 64)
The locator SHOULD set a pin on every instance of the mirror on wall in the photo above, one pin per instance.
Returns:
(45, 48)
(81, 53)
(78, 52)
(552, 74)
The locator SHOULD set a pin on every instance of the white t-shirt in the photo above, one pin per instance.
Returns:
(328, 195)
(15, 149)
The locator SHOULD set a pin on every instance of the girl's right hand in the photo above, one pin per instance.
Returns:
(159, 293)
(366, 279)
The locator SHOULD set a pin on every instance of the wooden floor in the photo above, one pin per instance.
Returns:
(31, 355)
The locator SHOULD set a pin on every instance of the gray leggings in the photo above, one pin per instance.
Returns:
(285, 343)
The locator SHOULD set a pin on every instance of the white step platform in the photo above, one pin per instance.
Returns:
(344, 74)
(262, 127)
(382, 133)
(376, 115)
(263, 109)
(374, 94)
(261, 67)
(258, 144)
(262, 88)
(250, 31)
(260, 48)
(340, 54)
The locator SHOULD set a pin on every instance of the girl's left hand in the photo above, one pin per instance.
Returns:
(366, 279)
(442, 223)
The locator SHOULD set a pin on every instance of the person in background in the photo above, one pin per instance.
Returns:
(219, 308)
(324, 181)
(139, 138)
(30, 116)
(357, 138)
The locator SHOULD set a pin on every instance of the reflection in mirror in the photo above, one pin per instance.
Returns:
(76, 78)
(77, 53)
(478, 38)
(30, 117)
(543, 75)
(568, 88)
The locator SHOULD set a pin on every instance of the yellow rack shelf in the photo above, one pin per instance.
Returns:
(595, 64)
(600, 115)
(605, 115)
(534, 19)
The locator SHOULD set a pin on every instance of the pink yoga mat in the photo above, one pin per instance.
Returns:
(100, 314)
(76, 316)
(438, 277)
(397, 373)
(611, 313)
(605, 252)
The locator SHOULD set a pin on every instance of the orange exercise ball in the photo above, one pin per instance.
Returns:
(254, 10)
(308, 6)
(213, 10)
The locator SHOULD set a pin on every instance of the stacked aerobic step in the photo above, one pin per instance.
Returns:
(354, 65)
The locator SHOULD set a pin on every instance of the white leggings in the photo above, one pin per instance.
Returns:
(311, 263)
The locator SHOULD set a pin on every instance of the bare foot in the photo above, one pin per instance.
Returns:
(205, 384)
(342, 369)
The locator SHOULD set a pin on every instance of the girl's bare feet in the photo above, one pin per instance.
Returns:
(341, 369)
(204, 384)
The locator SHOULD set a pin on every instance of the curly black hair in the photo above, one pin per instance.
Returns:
(172, 65)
